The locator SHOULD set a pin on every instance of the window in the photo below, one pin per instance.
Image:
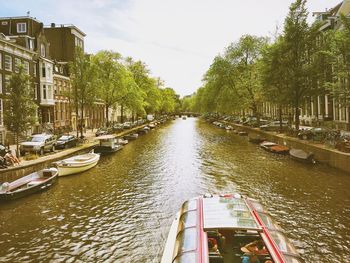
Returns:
(49, 72)
(44, 92)
(31, 44)
(7, 81)
(49, 92)
(42, 50)
(17, 64)
(35, 91)
(26, 67)
(34, 69)
(21, 27)
(8, 63)
(0, 83)
(0, 61)
(43, 70)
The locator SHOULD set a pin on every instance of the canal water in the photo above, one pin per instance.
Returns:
(121, 210)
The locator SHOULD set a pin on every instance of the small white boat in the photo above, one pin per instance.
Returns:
(77, 164)
(121, 141)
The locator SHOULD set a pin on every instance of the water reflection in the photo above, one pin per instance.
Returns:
(121, 210)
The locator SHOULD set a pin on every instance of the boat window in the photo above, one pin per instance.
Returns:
(291, 259)
(186, 258)
(186, 240)
(282, 243)
(189, 205)
(268, 222)
(188, 219)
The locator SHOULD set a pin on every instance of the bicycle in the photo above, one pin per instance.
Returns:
(82, 140)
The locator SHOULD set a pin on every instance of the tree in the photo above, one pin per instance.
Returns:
(109, 78)
(82, 92)
(272, 67)
(19, 109)
(296, 39)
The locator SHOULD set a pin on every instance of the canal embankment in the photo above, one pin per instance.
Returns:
(323, 153)
(29, 166)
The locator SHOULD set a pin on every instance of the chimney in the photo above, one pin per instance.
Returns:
(53, 25)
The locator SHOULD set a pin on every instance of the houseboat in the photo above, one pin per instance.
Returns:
(226, 228)
(107, 144)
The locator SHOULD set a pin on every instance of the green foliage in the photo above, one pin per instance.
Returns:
(83, 83)
(19, 109)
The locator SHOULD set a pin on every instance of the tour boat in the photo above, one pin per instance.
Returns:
(274, 147)
(77, 164)
(300, 155)
(107, 144)
(32, 183)
(230, 223)
(132, 136)
(152, 125)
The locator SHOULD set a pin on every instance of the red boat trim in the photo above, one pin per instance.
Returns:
(201, 247)
(276, 250)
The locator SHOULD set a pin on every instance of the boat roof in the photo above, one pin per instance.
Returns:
(105, 137)
(224, 212)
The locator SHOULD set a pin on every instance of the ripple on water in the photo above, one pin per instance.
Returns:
(121, 210)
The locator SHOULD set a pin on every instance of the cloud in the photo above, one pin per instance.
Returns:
(178, 39)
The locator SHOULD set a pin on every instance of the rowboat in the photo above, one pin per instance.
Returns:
(274, 147)
(302, 156)
(32, 183)
(209, 225)
(77, 164)
(107, 144)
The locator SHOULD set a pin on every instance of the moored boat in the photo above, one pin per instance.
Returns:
(107, 144)
(131, 136)
(274, 147)
(228, 223)
(243, 133)
(302, 156)
(121, 141)
(32, 183)
(257, 139)
(77, 164)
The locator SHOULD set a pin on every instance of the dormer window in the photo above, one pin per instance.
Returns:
(21, 27)
(42, 50)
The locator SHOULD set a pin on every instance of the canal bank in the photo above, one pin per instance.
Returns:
(12, 173)
(323, 154)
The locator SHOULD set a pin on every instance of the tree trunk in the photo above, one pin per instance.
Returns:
(81, 121)
(77, 120)
(121, 113)
(17, 144)
(132, 116)
(280, 117)
(107, 122)
(297, 121)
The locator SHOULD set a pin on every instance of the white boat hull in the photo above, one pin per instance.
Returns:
(67, 168)
(170, 243)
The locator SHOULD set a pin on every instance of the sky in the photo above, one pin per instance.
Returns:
(177, 39)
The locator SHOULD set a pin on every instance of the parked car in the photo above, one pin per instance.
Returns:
(101, 131)
(66, 141)
(117, 127)
(127, 125)
(316, 134)
(39, 143)
(274, 126)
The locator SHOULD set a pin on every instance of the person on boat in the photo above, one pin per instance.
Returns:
(252, 251)
(213, 246)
